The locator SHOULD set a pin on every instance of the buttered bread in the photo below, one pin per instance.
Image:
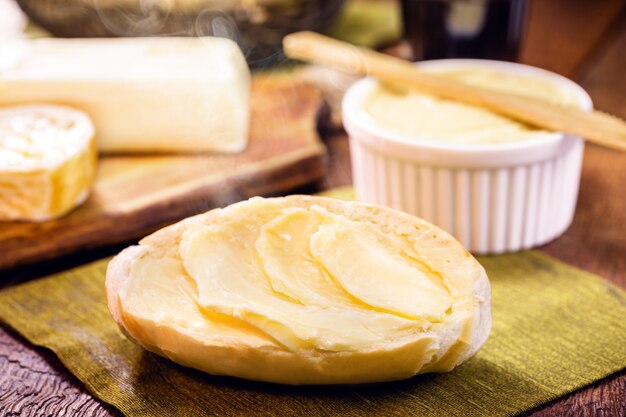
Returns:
(303, 290)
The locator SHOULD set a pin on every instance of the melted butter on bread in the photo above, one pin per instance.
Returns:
(303, 290)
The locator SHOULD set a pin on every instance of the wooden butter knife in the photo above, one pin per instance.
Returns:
(597, 127)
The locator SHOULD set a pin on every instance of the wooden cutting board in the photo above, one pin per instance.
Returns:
(135, 195)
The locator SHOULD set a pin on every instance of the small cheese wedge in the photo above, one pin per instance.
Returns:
(303, 290)
(47, 161)
(143, 94)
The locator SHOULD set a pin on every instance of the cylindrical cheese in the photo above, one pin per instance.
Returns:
(47, 161)
(143, 94)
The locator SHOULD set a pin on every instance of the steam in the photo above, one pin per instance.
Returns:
(233, 19)
(238, 20)
(146, 17)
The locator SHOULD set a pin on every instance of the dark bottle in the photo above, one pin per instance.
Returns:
(489, 29)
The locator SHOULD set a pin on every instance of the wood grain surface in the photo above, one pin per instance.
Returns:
(134, 195)
(34, 383)
(562, 34)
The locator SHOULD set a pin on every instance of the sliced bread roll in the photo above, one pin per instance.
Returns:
(303, 290)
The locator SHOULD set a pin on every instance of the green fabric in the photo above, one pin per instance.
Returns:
(555, 329)
(371, 23)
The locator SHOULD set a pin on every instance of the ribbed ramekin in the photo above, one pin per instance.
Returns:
(493, 197)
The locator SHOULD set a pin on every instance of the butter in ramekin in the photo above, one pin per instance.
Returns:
(495, 184)
(415, 114)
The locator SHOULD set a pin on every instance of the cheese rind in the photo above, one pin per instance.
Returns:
(47, 161)
(279, 290)
(143, 94)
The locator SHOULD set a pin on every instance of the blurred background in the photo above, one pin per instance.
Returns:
(580, 39)
(416, 29)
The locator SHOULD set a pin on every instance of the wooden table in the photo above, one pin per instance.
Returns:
(582, 39)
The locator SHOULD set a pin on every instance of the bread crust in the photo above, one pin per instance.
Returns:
(439, 350)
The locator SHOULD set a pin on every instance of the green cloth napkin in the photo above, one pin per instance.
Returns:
(371, 23)
(555, 329)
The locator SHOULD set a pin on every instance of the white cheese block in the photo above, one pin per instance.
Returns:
(303, 290)
(12, 20)
(143, 94)
(47, 161)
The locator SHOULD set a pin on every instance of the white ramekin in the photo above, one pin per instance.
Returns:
(493, 198)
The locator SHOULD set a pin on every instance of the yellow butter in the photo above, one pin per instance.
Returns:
(416, 115)
(47, 161)
(305, 284)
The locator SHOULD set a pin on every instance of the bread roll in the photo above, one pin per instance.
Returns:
(303, 290)
(47, 161)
